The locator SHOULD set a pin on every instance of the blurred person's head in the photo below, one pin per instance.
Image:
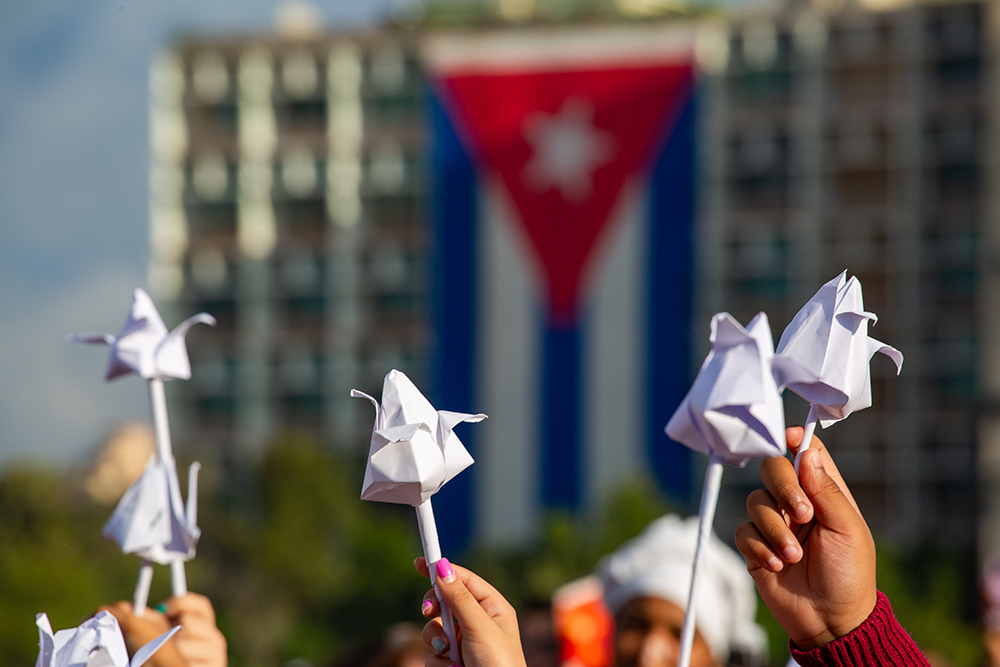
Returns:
(646, 587)
(538, 634)
(399, 646)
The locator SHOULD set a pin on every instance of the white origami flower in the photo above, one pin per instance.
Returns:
(150, 520)
(144, 346)
(98, 642)
(414, 451)
(733, 411)
(824, 352)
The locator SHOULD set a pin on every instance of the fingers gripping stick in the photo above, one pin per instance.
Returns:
(432, 554)
(807, 436)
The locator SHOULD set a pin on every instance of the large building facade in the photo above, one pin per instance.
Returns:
(289, 198)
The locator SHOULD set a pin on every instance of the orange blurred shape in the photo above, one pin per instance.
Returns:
(583, 625)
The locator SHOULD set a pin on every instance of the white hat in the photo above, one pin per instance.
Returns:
(657, 563)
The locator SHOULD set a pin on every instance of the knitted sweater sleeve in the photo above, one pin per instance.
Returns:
(878, 642)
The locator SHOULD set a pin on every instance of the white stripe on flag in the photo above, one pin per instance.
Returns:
(509, 358)
(613, 354)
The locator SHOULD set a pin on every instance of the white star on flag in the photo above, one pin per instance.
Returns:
(566, 149)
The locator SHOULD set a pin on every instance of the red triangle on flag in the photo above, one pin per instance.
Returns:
(564, 144)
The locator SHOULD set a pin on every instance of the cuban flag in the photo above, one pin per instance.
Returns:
(563, 202)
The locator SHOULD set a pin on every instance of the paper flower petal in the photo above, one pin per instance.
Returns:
(414, 450)
(733, 411)
(823, 354)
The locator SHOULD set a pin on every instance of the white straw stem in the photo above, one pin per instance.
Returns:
(161, 426)
(142, 584)
(178, 579)
(191, 512)
(807, 435)
(709, 499)
(432, 554)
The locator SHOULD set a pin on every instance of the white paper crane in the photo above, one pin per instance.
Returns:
(414, 452)
(824, 354)
(145, 347)
(732, 413)
(98, 642)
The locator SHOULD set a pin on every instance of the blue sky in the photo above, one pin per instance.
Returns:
(73, 199)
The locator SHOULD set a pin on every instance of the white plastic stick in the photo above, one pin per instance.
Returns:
(709, 499)
(432, 554)
(141, 596)
(161, 426)
(178, 579)
(191, 511)
(807, 435)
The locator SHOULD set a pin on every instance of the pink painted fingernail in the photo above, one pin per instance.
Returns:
(444, 570)
(426, 607)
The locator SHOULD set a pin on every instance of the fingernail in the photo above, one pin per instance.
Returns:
(773, 564)
(800, 512)
(162, 608)
(438, 645)
(445, 571)
(425, 608)
(789, 552)
(817, 461)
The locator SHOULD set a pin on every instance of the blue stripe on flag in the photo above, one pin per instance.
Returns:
(562, 389)
(671, 207)
(453, 212)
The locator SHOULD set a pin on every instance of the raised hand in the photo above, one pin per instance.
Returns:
(487, 625)
(200, 643)
(808, 548)
(140, 630)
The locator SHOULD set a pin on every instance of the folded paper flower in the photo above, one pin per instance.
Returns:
(144, 346)
(98, 642)
(824, 352)
(733, 411)
(150, 520)
(414, 450)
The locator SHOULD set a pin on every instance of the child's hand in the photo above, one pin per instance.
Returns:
(823, 588)
(487, 626)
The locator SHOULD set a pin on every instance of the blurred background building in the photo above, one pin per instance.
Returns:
(289, 198)
(860, 141)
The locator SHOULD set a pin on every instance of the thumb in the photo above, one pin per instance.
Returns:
(454, 591)
(833, 508)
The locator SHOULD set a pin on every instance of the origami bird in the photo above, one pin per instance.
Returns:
(144, 346)
(98, 642)
(150, 520)
(824, 353)
(732, 413)
(414, 452)
(414, 449)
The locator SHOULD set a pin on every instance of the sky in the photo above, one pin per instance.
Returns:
(73, 200)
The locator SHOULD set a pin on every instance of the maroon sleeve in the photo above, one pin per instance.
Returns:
(878, 642)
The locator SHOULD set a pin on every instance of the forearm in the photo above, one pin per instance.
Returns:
(878, 642)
